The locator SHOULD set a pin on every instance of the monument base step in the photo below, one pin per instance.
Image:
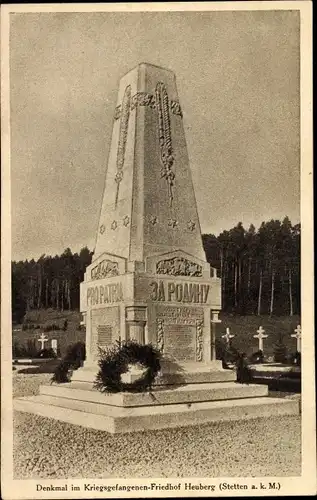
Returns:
(187, 373)
(192, 393)
(115, 419)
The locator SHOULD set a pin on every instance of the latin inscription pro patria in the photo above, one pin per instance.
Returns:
(179, 292)
(107, 294)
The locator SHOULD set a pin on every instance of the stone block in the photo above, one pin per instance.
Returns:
(123, 420)
(189, 393)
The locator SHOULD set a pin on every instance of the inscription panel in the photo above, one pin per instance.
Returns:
(179, 332)
(105, 324)
(179, 342)
(104, 335)
(180, 315)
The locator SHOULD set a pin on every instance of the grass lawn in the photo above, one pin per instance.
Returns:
(42, 318)
(244, 327)
(46, 448)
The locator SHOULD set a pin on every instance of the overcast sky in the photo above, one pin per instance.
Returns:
(238, 84)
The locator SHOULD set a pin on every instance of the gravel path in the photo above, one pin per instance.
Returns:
(46, 448)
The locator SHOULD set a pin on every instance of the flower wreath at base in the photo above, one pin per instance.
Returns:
(116, 360)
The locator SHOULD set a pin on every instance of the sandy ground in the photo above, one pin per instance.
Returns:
(46, 448)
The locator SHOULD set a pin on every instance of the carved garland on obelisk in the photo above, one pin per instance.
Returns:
(160, 335)
(123, 133)
(165, 137)
(199, 340)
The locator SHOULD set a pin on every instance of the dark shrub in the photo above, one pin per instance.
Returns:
(227, 353)
(295, 358)
(18, 350)
(220, 349)
(74, 358)
(243, 371)
(257, 357)
(31, 348)
(280, 350)
(76, 354)
(46, 353)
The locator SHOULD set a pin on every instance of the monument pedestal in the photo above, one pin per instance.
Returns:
(192, 403)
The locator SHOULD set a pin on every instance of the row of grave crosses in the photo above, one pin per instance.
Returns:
(261, 336)
(43, 338)
(227, 338)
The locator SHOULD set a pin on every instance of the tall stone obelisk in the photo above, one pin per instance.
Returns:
(149, 278)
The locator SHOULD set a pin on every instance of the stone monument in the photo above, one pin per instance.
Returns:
(149, 279)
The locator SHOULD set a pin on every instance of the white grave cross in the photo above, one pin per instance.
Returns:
(42, 339)
(260, 335)
(227, 337)
(298, 336)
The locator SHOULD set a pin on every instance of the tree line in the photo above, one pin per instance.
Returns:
(260, 271)
(49, 282)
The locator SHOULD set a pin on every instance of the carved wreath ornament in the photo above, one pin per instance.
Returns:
(105, 269)
(178, 266)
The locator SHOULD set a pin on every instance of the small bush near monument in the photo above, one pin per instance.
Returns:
(76, 354)
(227, 353)
(280, 350)
(244, 375)
(74, 358)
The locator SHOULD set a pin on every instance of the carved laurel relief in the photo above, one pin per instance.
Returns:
(143, 99)
(160, 335)
(117, 112)
(178, 266)
(164, 107)
(165, 138)
(146, 99)
(199, 340)
(176, 108)
(123, 133)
